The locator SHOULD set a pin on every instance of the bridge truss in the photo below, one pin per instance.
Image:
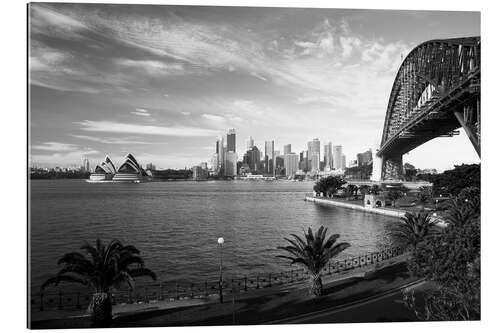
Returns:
(436, 91)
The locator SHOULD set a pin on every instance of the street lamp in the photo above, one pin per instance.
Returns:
(220, 241)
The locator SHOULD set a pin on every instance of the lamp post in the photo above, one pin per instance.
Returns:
(220, 241)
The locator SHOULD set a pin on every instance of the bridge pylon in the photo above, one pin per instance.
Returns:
(392, 167)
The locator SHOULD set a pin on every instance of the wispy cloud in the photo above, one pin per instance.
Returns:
(54, 146)
(114, 141)
(116, 127)
(141, 112)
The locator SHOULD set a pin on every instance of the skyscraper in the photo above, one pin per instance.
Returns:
(313, 147)
(291, 164)
(250, 143)
(328, 156)
(315, 165)
(337, 157)
(230, 164)
(220, 155)
(269, 156)
(287, 149)
(231, 140)
(252, 158)
(343, 164)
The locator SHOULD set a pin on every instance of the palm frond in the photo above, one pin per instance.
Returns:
(136, 272)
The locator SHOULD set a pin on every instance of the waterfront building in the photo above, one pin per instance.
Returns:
(287, 149)
(269, 156)
(199, 172)
(337, 157)
(104, 171)
(291, 161)
(129, 171)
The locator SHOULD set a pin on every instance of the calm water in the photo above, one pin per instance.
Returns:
(176, 224)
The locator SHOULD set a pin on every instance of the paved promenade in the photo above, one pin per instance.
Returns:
(356, 206)
(266, 306)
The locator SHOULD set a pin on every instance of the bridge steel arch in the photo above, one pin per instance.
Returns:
(435, 92)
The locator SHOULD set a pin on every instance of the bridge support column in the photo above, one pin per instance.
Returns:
(392, 167)
(469, 119)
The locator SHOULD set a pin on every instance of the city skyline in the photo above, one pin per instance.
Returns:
(105, 81)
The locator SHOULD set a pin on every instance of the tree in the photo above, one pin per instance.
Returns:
(453, 181)
(313, 252)
(329, 185)
(352, 190)
(424, 196)
(374, 189)
(413, 229)
(101, 268)
(364, 189)
(451, 259)
(394, 195)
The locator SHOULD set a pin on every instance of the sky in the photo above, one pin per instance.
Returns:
(162, 82)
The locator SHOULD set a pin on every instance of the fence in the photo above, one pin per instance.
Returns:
(172, 291)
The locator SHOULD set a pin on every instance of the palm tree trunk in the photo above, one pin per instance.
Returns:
(101, 309)
(316, 285)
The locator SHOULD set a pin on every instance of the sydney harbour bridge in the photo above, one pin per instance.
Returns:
(436, 91)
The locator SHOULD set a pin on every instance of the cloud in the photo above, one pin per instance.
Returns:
(114, 141)
(141, 112)
(54, 146)
(213, 117)
(115, 127)
(152, 67)
(59, 152)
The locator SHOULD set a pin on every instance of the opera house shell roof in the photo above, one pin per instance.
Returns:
(129, 171)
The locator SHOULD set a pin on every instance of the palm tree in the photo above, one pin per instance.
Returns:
(414, 228)
(101, 268)
(314, 253)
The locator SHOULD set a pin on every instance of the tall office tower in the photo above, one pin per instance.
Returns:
(337, 157)
(313, 146)
(269, 156)
(230, 165)
(315, 165)
(328, 156)
(291, 164)
(213, 162)
(220, 154)
(252, 158)
(231, 140)
(304, 161)
(343, 162)
(250, 143)
(287, 149)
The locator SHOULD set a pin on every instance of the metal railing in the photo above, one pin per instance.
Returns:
(172, 291)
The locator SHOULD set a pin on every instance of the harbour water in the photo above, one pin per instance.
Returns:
(176, 224)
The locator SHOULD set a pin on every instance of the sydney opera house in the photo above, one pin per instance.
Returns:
(130, 171)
